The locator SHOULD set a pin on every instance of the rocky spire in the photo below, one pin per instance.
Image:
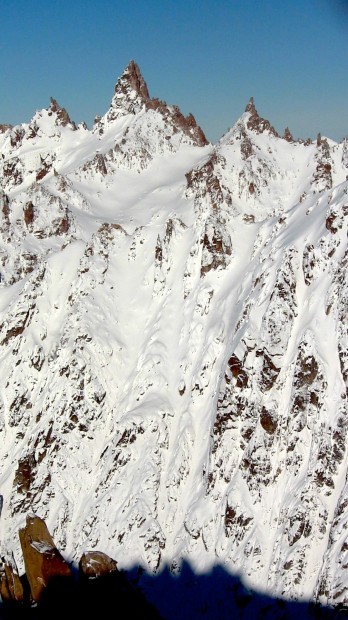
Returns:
(250, 107)
(288, 135)
(42, 559)
(131, 79)
(130, 94)
(256, 122)
(63, 117)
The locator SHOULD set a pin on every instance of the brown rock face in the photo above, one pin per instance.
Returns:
(63, 117)
(133, 76)
(50, 584)
(43, 562)
(237, 371)
(267, 422)
(11, 588)
(174, 116)
(131, 94)
(29, 214)
(4, 211)
(255, 122)
(250, 107)
(25, 473)
(97, 564)
(4, 128)
(288, 135)
(189, 126)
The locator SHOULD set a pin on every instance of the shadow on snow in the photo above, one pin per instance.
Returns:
(217, 595)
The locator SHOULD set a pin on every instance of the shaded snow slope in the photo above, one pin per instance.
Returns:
(173, 342)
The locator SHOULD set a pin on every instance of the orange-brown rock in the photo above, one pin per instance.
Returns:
(96, 564)
(44, 564)
(101, 584)
(4, 589)
(11, 588)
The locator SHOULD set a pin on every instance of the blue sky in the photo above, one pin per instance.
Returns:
(207, 56)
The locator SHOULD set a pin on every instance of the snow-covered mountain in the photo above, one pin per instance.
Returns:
(173, 341)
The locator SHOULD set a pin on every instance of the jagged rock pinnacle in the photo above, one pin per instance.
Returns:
(251, 106)
(63, 117)
(256, 122)
(132, 78)
(288, 135)
(54, 105)
(131, 96)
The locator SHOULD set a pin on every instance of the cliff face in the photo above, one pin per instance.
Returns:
(173, 340)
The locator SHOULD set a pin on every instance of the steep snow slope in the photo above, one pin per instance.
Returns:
(174, 343)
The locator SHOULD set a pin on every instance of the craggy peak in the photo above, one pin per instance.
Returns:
(133, 76)
(173, 385)
(250, 107)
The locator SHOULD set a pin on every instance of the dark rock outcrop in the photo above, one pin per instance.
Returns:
(131, 96)
(50, 586)
(63, 117)
(256, 122)
(4, 127)
(96, 564)
(132, 78)
(42, 560)
(11, 587)
(288, 135)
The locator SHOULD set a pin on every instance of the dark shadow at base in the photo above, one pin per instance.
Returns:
(220, 595)
(135, 594)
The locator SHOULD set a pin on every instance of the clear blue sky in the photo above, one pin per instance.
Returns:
(207, 56)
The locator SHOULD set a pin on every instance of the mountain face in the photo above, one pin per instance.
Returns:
(173, 341)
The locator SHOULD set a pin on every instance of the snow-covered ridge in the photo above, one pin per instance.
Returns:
(173, 343)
